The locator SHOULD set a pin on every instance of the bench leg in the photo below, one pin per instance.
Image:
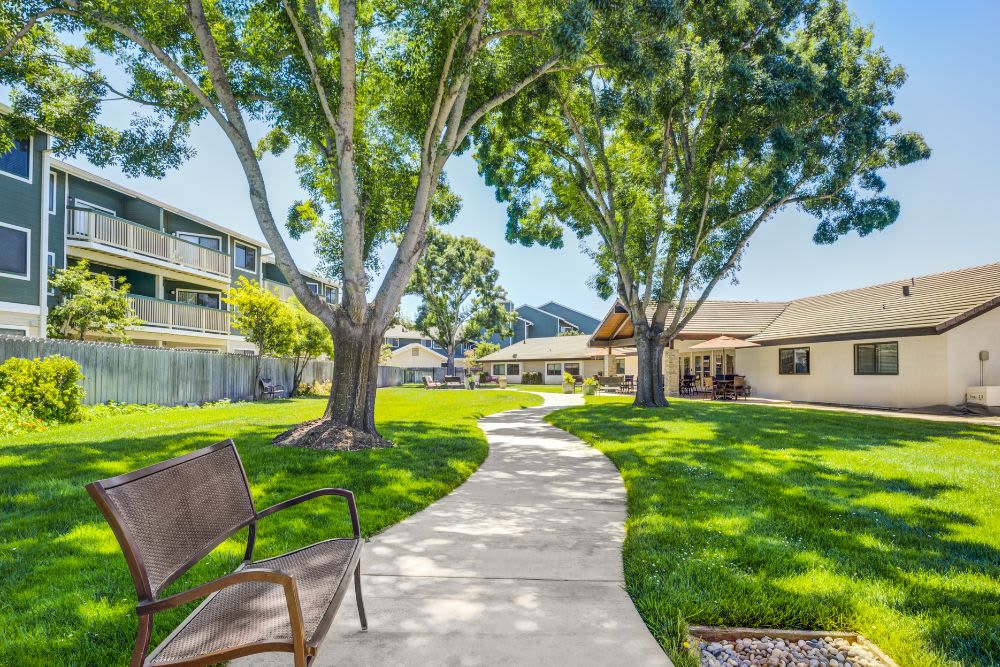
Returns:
(357, 594)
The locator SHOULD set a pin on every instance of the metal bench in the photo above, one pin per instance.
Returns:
(270, 390)
(170, 515)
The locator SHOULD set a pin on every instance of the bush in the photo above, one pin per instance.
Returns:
(318, 388)
(114, 408)
(14, 420)
(46, 388)
(531, 377)
(568, 379)
(591, 382)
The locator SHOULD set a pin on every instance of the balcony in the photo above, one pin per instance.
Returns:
(107, 230)
(181, 317)
(284, 292)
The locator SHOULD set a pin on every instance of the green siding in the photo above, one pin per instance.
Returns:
(140, 211)
(174, 223)
(20, 206)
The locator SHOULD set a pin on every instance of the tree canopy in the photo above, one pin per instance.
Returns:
(373, 98)
(89, 302)
(461, 296)
(706, 119)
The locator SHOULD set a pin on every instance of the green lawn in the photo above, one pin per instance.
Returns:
(66, 597)
(539, 388)
(745, 515)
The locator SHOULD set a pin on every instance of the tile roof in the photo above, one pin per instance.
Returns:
(735, 318)
(935, 303)
(551, 347)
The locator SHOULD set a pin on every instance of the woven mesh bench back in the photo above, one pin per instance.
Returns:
(171, 514)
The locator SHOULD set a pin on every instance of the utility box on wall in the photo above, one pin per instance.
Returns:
(984, 397)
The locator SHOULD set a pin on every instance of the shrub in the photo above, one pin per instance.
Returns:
(15, 420)
(568, 379)
(47, 388)
(318, 388)
(114, 408)
(591, 382)
(532, 377)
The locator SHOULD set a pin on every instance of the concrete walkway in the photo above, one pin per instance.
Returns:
(521, 565)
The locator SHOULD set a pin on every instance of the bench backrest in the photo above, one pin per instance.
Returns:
(170, 515)
(267, 383)
(453, 378)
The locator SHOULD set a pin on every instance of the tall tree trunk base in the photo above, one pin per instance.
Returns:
(649, 390)
(330, 435)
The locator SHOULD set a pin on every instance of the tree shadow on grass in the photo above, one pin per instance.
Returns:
(762, 517)
(68, 596)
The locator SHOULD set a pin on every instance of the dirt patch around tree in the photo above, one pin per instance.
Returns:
(324, 434)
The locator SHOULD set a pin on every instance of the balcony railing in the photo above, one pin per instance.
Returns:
(284, 292)
(179, 316)
(108, 230)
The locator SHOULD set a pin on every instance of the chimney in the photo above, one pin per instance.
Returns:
(906, 290)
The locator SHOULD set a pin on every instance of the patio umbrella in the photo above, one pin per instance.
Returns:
(723, 343)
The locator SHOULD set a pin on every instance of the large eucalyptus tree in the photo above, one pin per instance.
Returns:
(708, 118)
(374, 97)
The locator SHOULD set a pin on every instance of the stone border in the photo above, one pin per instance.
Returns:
(716, 634)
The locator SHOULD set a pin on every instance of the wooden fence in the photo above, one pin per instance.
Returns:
(133, 374)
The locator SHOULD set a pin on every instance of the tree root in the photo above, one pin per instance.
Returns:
(329, 435)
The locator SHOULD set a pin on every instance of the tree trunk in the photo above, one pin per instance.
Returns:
(451, 359)
(355, 374)
(649, 379)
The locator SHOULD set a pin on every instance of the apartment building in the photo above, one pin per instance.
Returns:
(177, 264)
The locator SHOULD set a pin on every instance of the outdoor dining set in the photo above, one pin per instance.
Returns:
(719, 387)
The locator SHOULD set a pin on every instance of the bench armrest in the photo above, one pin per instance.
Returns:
(351, 506)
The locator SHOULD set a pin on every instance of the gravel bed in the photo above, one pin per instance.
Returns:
(767, 652)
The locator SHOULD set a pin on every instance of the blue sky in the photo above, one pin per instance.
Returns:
(948, 217)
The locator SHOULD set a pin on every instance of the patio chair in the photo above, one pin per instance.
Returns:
(270, 390)
(708, 387)
(628, 384)
(610, 383)
(740, 387)
(170, 515)
(431, 384)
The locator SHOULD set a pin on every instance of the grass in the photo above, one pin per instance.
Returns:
(539, 388)
(65, 593)
(743, 515)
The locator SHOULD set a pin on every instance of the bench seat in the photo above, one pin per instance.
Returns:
(256, 612)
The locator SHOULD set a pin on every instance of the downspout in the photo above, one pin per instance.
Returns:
(43, 245)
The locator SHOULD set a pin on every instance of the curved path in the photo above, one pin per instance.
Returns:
(520, 565)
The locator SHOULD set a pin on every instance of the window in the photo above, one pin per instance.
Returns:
(876, 359)
(14, 245)
(331, 295)
(313, 287)
(620, 366)
(513, 369)
(52, 192)
(17, 161)
(205, 299)
(11, 330)
(51, 262)
(553, 369)
(571, 367)
(213, 242)
(245, 258)
(793, 361)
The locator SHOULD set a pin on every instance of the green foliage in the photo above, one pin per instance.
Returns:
(706, 120)
(591, 382)
(14, 420)
(310, 339)
(48, 389)
(460, 292)
(483, 348)
(568, 333)
(114, 408)
(261, 317)
(568, 379)
(531, 377)
(90, 302)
